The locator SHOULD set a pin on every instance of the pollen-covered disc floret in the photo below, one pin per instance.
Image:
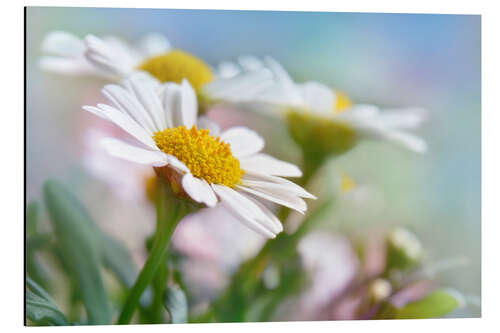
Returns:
(177, 65)
(206, 156)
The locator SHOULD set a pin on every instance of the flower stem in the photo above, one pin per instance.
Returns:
(170, 210)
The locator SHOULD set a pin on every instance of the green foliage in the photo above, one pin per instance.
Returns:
(434, 305)
(40, 308)
(35, 241)
(176, 303)
(79, 241)
(32, 218)
(116, 257)
(292, 280)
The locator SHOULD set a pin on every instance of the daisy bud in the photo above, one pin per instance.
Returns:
(404, 250)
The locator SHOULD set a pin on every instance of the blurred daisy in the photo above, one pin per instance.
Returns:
(323, 253)
(112, 58)
(198, 160)
(319, 117)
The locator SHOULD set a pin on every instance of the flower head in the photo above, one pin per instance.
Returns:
(198, 160)
(113, 58)
(319, 118)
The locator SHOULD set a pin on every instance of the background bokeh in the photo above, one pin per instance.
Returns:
(433, 61)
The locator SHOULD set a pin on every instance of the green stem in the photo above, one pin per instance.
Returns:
(170, 210)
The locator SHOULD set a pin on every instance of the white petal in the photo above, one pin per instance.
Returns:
(247, 211)
(179, 103)
(276, 222)
(170, 96)
(279, 197)
(189, 104)
(407, 140)
(144, 78)
(317, 97)
(177, 164)
(108, 56)
(251, 224)
(254, 176)
(128, 103)
(360, 112)
(123, 121)
(250, 63)
(285, 187)
(282, 96)
(154, 44)
(64, 44)
(67, 54)
(227, 69)
(143, 86)
(406, 118)
(280, 74)
(68, 66)
(243, 141)
(127, 53)
(265, 164)
(204, 122)
(199, 190)
(240, 88)
(134, 154)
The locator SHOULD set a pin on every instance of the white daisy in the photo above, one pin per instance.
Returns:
(265, 86)
(112, 58)
(199, 161)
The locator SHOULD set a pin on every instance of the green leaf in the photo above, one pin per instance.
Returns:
(176, 304)
(34, 242)
(436, 304)
(117, 258)
(38, 290)
(31, 218)
(79, 241)
(40, 308)
(34, 267)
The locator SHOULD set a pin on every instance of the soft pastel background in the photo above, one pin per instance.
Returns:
(433, 61)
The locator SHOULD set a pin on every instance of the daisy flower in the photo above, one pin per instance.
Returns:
(198, 160)
(112, 58)
(319, 117)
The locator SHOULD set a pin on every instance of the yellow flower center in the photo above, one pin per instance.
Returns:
(346, 183)
(343, 102)
(206, 156)
(176, 65)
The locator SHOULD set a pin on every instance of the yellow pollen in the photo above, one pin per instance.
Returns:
(343, 102)
(176, 65)
(206, 156)
(346, 183)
